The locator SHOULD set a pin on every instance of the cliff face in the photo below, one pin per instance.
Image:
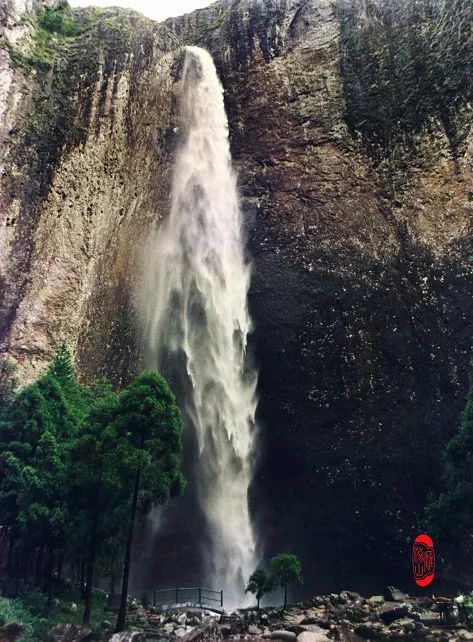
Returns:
(350, 125)
(351, 128)
(86, 126)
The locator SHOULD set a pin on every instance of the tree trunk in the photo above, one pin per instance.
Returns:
(121, 620)
(82, 576)
(92, 553)
(39, 566)
(17, 572)
(257, 599)
(59, 565)
(285, 595)
(50, 575)
(112, 583)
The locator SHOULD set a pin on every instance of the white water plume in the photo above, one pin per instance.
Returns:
(198, 321)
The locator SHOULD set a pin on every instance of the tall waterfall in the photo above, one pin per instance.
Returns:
(198, 322)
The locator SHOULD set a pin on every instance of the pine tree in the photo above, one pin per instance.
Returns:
(147, 413)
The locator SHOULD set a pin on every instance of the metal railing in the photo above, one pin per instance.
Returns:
(196, 595)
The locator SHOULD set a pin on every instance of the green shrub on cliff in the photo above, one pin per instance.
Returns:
(449, 515)
(52, 28)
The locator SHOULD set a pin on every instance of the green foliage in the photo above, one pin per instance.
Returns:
(469, 608)
(449, 515)
(76, 464)
(54, 26)
(34, 628)
(149, 417)
(260, 583)
(57, 20)
(286, 569)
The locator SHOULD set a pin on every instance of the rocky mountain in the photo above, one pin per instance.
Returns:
(350, 124)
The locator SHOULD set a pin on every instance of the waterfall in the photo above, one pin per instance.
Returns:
(198, 322)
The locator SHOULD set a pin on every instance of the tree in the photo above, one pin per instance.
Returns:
(34, 445)
(286, 569)
(148, 415)
(449, 514)
(97, 487)
(259, 583)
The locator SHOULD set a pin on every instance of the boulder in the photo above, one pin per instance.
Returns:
(181, 631)
(287, 636)
(181, 618)
(375, 600)
(350, 597)
(407, 624)
(463, 634)
(70, 633)
(10, 632)
(370, 630)
(313, 636)
(128, 636)
(69, 607)
(393, 611)
(393, 594)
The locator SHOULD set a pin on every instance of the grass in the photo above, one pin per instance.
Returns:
(53, 26)
(31, 612)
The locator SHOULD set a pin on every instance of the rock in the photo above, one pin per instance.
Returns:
(70, 608)
(254, 630)
(287, 636)
(393, 594)
(369, 630)
(313, 636)
(128, 636)
(180, 632)
(10, 632)
(71, 633)
(350, 597)
(168, 628)
(375, 600)
(392, 611)
(407, 623)
(322, 623)
(463, 634)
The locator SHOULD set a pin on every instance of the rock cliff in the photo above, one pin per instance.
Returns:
(350, 125)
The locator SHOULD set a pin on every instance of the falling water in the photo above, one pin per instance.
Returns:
(198, 317)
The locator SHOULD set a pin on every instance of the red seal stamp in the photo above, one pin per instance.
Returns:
(423, 560)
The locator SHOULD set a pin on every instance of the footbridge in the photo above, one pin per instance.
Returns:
(170, 599)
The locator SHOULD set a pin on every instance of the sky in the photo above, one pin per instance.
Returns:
(157, 9)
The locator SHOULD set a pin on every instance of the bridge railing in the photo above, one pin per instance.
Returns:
(194, 595)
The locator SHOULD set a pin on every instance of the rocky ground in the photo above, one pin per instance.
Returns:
(344, 617)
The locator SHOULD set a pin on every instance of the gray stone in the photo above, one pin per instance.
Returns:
(392, 611)
(350, 597)
(287, 636)
(128, 636)
(71, 633)
(180, 632)
(9, 632)
(375, 600)
(313, 636)
(369, 630)
(393, 594)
